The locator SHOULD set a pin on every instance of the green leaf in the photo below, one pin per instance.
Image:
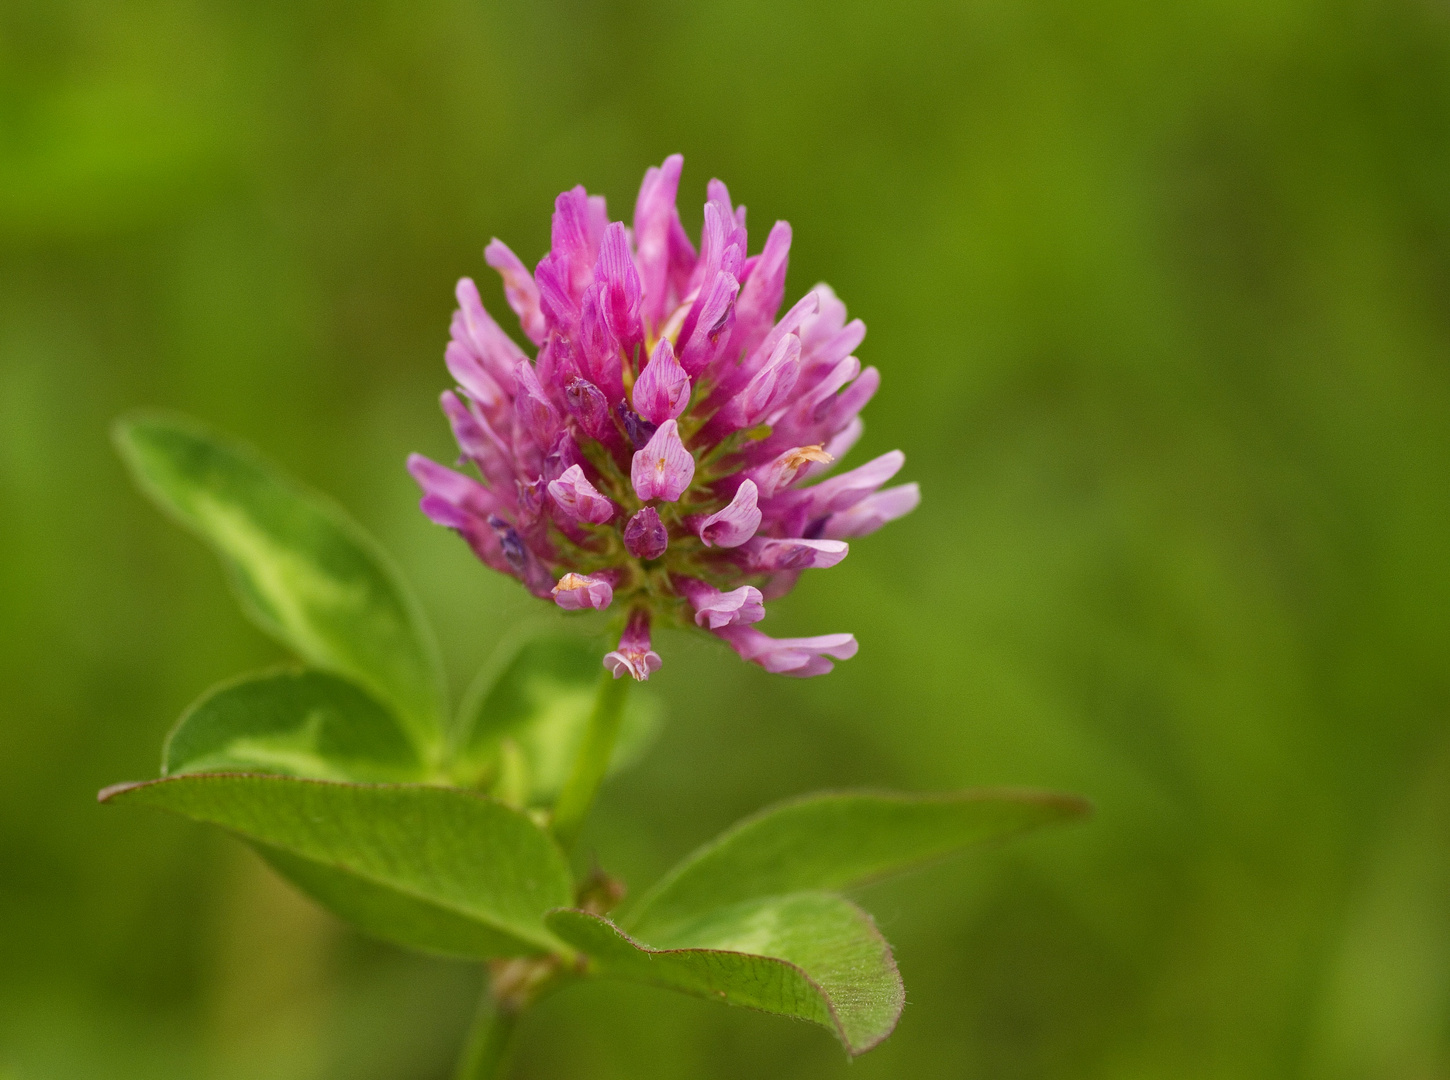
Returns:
(432, 868)
(522, 728)
(838, 839)
(810, 955)
(296, 723)
(304, 571)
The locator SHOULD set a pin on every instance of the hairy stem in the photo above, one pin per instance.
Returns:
(592, 761)
(485, 1054)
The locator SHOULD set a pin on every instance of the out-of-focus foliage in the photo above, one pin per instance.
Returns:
(303, 572)
(1159, 294)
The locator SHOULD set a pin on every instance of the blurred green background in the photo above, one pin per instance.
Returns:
(1161, 297)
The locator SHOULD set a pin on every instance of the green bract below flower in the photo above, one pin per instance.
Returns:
(657, 453)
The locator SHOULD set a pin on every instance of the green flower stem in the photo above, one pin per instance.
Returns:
(593, 759)
(485, 1054)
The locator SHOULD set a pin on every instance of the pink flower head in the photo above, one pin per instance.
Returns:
(662, 452)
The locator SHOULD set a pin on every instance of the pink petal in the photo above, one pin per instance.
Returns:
(575, 592)
(766, 555)
(735, 524)
(872, 512)
(580, 499)
(519, 289)
(715, 609)
(662, 390)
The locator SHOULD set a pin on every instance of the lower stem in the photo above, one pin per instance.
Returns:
(485, 1054)
(592, 761)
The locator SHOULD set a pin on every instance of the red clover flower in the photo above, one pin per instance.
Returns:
(655, 452)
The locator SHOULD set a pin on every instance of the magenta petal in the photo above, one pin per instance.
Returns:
(575, 592)
(640, 665)
(712, 248)
(463, 494)
(532, 406)
(587, 404)
(599, 353)
(556, 300)
(480, 356)
(636, 429)
(769, 389)
(840, 444)
(662, 390)
(563, 454)
(735, 524)
(835, 414)
(664, 468)
(826, 385)
(827, 337)
(790, 323)
(574, 239)
(655, 221)
(518, 288)
(578, 498)
(714, 318)
(621, 289)
(761, 291)
(479, 442)
(473, 378)
(474, 328)
(460, 503)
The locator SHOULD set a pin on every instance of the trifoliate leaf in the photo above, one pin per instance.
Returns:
(294, 723)
(835, 840)
(809, 955)
(432, 868)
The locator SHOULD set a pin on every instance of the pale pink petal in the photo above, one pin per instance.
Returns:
(765, 555)
(735, 524)
(580, 499)
(715, 609)
(801, 657)
(634, 656)
(664, 468)
(872, 512)
(575, 592)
